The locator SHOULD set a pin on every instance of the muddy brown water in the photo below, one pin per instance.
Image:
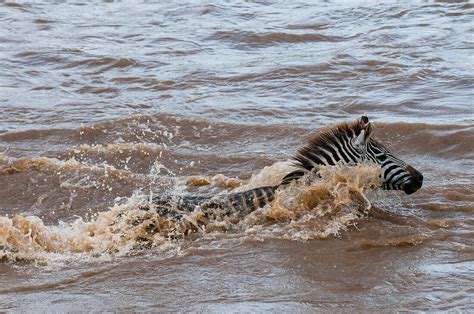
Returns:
(104, 104)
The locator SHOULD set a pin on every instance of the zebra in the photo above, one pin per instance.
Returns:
(347, 143)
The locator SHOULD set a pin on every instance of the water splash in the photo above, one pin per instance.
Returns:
(301, 211)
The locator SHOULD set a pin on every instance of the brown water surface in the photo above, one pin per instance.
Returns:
(105, 104)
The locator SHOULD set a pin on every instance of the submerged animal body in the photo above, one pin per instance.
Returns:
(348, 143)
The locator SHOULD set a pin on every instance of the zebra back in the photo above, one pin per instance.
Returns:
(241, 203)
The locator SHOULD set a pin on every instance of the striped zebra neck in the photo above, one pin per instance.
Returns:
(329, 146)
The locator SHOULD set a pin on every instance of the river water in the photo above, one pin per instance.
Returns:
(105, 104)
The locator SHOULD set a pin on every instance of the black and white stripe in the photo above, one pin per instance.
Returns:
(240, 203)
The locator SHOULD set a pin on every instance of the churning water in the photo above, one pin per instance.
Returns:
(105, 104)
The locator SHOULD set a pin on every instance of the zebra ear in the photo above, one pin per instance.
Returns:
(366, 126)
(360, 140)
(366, 130)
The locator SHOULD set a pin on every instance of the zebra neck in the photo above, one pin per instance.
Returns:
(322, 150)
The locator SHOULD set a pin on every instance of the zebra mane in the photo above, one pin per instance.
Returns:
(308, 156)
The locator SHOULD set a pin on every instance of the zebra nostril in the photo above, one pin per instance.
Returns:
(417, 178)
(420, 177)
(417, 181)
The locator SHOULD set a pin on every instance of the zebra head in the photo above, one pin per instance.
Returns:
(351, 143)
(395, 173)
